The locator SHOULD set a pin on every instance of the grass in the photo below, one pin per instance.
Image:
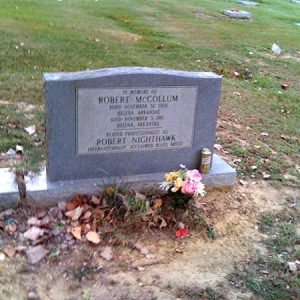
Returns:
(44, 36)
(269, 276)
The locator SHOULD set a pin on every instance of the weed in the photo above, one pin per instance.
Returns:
(268, 276)
(196, 293)
(84, 272)
(86, 294)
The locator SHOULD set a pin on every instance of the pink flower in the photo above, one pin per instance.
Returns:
(194, 175)
(188, 187)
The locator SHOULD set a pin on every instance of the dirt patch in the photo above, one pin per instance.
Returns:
(122, 35)
(295, 56)
(196, 261)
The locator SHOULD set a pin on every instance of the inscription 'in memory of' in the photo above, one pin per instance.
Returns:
(112, 120)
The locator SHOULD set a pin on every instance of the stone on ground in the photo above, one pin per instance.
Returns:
(248, 3)
(239, 14)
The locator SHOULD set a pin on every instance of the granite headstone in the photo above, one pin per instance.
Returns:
(128, 121)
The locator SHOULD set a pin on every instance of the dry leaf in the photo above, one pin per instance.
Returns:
(157, 202)
(77, 213)
(86, 228)
(107, 253)
(87, 215)
(140, 196)
(163, 223)
(62, 205)
(11, 227)
(98, 213)
(33, 233)
(95, 200)
(9, 251)
(93, 237)
(73, 204)
(76, 232)
(70, 213)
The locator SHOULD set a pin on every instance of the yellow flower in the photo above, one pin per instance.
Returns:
(110, 191)
(171, 176)
(178, 183)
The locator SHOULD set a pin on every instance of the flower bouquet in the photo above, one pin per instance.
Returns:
(184, 183)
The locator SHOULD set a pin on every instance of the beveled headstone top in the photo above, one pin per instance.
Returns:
(128, 121)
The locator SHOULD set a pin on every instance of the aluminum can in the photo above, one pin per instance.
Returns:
(205, 161)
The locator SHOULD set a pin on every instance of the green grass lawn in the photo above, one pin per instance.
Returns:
(47, 35)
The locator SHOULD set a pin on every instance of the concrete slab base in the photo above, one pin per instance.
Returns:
(46, 193)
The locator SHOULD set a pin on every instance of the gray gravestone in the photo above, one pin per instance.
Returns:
(128, 121)
(240, 14)
(248, 3)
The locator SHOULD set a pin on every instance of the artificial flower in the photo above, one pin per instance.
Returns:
(194, 175)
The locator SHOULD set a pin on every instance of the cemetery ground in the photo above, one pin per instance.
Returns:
(248, 245)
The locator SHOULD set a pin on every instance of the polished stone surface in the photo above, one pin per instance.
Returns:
(179, 141)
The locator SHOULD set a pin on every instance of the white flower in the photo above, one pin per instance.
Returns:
(200, 190)
(174, 189)
(182, 166)
(165, 185)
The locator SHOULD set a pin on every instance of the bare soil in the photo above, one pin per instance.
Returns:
(175, 265)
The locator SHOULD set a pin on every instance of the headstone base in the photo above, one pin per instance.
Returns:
(46, 193)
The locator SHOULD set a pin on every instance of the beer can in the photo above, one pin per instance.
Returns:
(205, 160)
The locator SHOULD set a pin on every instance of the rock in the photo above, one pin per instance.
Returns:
(6, 213)
(33, 233)
(248, 3)
(33, 221)
(237, 14)
(243, 182)
(107, 253)
(33, 296)
(20, 248)
(266, 175)
(55, 232)
(292, 267)
(30, 129)
(2, 256)
(36, 254)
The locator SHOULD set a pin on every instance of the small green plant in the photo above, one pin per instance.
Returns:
(135, 206)
(86, 294)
